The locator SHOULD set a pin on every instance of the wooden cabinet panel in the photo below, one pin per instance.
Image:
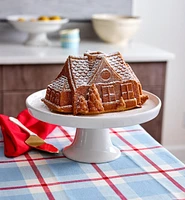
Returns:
(154, 126)
(18, 81)
(1, 103)
(152, 78)
(29, 77)
(1, 88)
(152, 74)
(1, 78)
(14, 102)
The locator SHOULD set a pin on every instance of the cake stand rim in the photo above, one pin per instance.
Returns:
(148, 112)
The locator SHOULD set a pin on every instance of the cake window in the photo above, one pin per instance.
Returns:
(105, 74)
(108, 93)
(124, 91)
(48, 93)
(105, 96)
(130, 91)
(127, 91)
(52, 96)
(57, 98)
(112, 96)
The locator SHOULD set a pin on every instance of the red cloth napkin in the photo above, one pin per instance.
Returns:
(14, 136)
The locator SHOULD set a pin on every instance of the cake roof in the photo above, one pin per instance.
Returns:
(83, 69)
(79, 71)
(60, 84)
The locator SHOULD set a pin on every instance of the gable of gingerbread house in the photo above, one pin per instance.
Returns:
(104, 73)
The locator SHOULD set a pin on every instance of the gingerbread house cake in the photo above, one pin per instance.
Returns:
(95, 83)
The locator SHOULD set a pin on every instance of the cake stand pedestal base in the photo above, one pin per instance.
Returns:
(92, 146)
(37, 39)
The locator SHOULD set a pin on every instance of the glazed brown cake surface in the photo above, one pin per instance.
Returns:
(95, 83)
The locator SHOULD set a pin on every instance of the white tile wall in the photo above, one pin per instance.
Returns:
(69, 8)
(72, 9)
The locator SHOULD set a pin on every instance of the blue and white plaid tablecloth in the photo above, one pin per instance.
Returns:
(145, 170)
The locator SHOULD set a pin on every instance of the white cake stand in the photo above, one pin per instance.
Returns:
(92, 142)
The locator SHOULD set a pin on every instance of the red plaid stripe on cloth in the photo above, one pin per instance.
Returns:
(145, 170)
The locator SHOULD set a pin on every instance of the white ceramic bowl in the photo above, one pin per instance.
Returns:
(115, 28)
(37, 30)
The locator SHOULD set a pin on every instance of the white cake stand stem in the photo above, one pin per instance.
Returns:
(37, 39)
(92, 146)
